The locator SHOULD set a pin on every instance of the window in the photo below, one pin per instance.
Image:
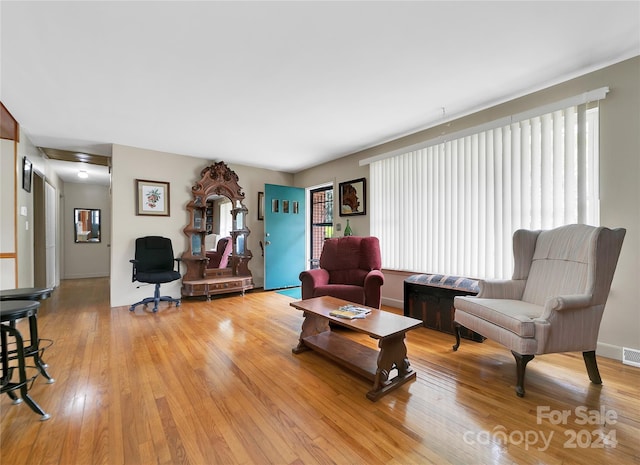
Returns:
(226, 218)
(452, 207)
(321, 221)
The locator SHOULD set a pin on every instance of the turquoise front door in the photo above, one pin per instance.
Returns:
(284, 236)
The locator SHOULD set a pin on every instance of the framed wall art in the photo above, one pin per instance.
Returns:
(152, 198)
(353, 197)
(260, 206)
(27, 174)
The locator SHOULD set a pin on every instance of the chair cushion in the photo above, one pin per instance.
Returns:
(157, 276)
(513, 315)
(154, 253)
(457, 283)
(353, 277)
(560, 263)
(351, 252)
(353, 294)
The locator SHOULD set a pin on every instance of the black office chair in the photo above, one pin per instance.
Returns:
(154, 265)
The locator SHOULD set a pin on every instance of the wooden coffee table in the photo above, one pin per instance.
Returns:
(374, 365)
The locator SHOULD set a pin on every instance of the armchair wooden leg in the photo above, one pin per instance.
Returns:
(592, 366)
(521, 365)
(456, 327)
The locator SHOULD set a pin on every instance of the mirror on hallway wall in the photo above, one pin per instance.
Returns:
(86, 225)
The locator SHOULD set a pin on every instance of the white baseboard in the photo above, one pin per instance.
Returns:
(86, 275)
(395, 303)
(609, 351)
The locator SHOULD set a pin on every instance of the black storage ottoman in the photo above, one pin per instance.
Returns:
(429, 297)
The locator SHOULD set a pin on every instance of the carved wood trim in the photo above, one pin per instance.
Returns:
(9, 127)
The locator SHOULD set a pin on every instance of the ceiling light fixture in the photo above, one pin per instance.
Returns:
(82, 174)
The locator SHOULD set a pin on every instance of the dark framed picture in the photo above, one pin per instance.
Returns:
(86, 225)
(260, 205)
(152, 198)
(353, 197)
(27, 174)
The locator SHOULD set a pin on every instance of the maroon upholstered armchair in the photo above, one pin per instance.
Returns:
(349, 270)
(219, 258)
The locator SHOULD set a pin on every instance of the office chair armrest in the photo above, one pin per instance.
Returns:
(178, 260)
(133, 269)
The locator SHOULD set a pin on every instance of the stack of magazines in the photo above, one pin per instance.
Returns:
(350, 312)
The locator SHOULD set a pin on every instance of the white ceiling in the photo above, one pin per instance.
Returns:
(286, 85)
(68, 172)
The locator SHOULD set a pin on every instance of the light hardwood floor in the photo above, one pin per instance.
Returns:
(216, 383)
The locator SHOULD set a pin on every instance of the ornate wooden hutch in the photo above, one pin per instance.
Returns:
(216, 180)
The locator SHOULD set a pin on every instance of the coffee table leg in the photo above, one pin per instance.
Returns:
(312, 325)
(393, 354)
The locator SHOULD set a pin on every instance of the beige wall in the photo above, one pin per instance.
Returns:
(8, 244)
(42, 167)
(335, 172)
(85, 260)
(25, 223)
(619, 186)
(14, 198)
(181, 172)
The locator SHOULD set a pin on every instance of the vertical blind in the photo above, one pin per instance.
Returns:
(452, 207)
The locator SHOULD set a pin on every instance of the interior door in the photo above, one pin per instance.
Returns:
(50, 239)
(39, 232)
(284, 231)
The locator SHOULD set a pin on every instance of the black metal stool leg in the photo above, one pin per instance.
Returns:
(34, 349)
(7, 370)
(23, 382)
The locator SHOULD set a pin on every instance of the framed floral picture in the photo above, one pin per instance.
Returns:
(152, 198)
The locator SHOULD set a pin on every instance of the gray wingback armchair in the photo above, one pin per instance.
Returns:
(555, 300)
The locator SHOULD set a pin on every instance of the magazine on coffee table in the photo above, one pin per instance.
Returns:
(350, 312)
